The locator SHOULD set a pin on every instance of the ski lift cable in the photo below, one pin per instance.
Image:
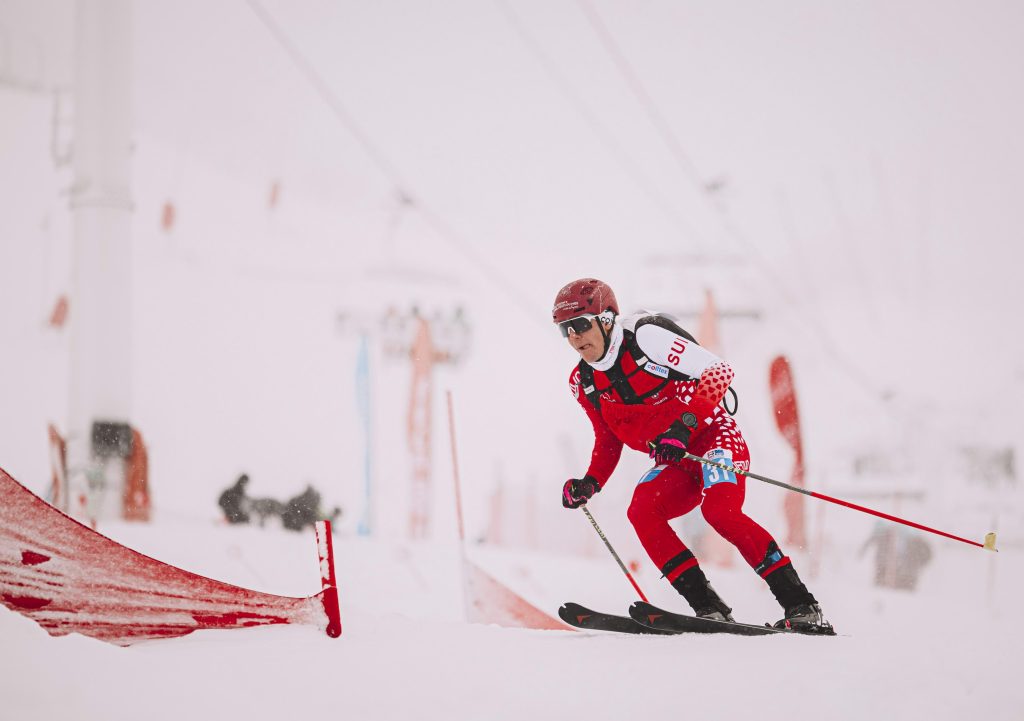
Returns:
(386, 167)
(686, 165)
(664, 130)
(639, 91)
(341, 112)
(854, 263)
(600, 131)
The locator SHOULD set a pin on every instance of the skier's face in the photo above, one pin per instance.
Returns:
(589, 344)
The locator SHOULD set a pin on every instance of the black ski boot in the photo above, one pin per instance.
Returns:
(694, 587)
(803, 614)
(806, 618)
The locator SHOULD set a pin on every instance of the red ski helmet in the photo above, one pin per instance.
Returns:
(586, 295)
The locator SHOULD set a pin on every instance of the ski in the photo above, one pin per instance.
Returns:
(582, 617)
(669, 622)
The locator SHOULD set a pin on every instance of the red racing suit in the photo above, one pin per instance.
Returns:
(652, 373)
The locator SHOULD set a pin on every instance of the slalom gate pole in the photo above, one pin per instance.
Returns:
(614, 554)
(329, 595)
(455, 472)
(990, 538)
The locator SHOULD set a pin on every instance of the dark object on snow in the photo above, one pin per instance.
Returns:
(900, 556)
(111, 439)
(263, 508)
(304, 510)
(234, 501)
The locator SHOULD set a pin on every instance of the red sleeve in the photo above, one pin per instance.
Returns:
(607, 447)
(714, 382)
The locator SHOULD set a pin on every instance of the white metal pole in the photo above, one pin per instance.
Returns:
(100, 309)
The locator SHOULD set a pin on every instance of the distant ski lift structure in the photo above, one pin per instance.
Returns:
(107, 465)
(426, 334)
(396, 327)
(443, 338)
(449, 333)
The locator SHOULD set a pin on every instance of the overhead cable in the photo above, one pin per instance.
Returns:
(388, 168)
(604, 136)
(682, 160)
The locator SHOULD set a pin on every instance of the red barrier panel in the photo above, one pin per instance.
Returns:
(488, 600)
(780, 379)
(70, 579)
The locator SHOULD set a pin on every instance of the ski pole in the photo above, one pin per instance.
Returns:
(614, 554)
(990, 538)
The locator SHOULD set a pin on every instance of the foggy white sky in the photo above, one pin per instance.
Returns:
(877, 142)
(868, 160)
(866, 151)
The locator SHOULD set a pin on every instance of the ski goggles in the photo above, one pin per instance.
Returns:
(580, 324)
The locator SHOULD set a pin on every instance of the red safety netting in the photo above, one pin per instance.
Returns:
(70, 579)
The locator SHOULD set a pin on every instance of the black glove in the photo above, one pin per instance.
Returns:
(578, 491)
(670, 446)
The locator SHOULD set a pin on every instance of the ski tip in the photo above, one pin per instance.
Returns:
(990, 542)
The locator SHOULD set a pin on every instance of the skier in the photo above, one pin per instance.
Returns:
(234, 502)
(645, 382)
(304, 510)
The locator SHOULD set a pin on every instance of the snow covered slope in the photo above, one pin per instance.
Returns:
(947, 652)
